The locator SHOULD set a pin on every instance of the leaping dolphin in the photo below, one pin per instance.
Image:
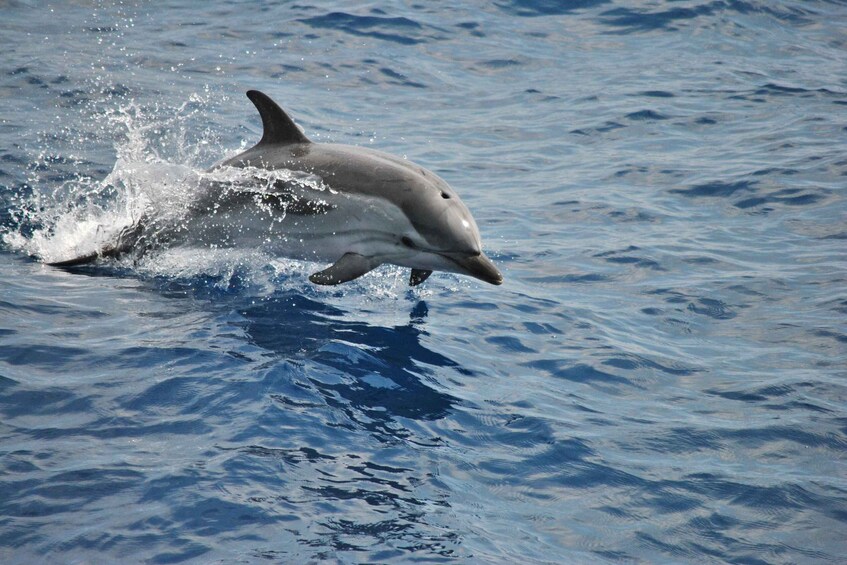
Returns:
(369, 208)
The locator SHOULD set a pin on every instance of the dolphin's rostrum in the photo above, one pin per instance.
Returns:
(370, 208)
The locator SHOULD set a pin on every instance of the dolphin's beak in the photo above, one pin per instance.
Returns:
(478, 266)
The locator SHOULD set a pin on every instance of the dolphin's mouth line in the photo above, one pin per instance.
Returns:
(410, 244)
(451, 256)
(476, 265)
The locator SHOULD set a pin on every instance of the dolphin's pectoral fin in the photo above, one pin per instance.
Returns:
(350, 266)
(418, 276)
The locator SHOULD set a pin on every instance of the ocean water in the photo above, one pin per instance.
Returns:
(660, 378)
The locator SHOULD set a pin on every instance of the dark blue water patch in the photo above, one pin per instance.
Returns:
(555, 457)
(542, 328)
(400, 79)
(683, 440)
(786, 496)
(604, 128)
(631, 216)
(837, 336)
(509, 344)
(31, 498)
(632, 362)
(181, 393)
(392, 385)
(746, 290)
(579, 372)
(768, 171)
(645, 116)
(213, 516)
(541, 96)
(502, 64)
(656, 94)
(705, 121)
(761, 394)
(624, 257)
(838, 305)
(36, 81)
(193, 361)
(400, 30)
(112, 427)
(712, 308)
(716, 189)
(20, 401)
(790, 13)
(795, 405)
(786, 197)
(283, 70)
(14, 158)
(42, 356)
(701, 260)
(686, 440)
(764, 197)
(773, 89)
(669, 549)
(494, 66)
(631, 169)
(292, 456)
(639, 20)
(20, 461)
(472, 27)
(535, 8)
(571, 278)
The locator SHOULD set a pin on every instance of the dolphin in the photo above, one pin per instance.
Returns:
(354, 207)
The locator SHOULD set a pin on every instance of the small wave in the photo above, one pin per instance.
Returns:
(535, 8)
(639, 20)
(755, 195)
(397, 30)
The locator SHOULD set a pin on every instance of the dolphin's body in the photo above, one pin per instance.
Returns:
(352, 206)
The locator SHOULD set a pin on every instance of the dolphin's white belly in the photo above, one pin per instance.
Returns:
(351, 223)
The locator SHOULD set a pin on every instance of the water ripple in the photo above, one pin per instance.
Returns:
(660, 378)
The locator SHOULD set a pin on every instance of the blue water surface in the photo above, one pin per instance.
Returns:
(660, 379)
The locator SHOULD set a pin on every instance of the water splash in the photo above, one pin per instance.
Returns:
(156, 167)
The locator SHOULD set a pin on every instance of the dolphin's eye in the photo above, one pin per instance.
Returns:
(407, 241)
(445, 196)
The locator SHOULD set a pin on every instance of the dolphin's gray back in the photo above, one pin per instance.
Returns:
(364, 172)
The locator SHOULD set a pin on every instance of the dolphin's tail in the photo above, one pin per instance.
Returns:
(127, 239)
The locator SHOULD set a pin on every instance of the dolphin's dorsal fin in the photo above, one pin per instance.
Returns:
(277, 126)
